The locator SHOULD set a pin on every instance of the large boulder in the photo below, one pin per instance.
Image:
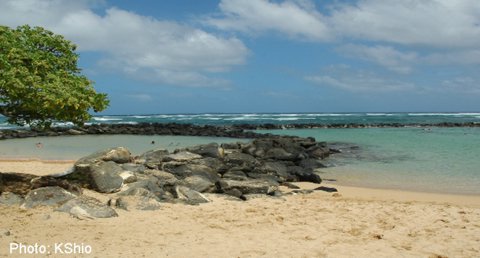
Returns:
(163, 177)
(153, 158)
(183, 156)
(106, 177)
(138, 198)
(187, 170)
(87, 207)
(199, 183)
(306, 175)
(238, 159)
(211, 150)
(47, 196)
(117, 155)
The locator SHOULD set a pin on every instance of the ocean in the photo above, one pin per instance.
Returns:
(428, 159)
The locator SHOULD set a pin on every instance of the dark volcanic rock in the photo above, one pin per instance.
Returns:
(303, 174)
(47, 196)
(16, 183)
(87, 207)
(45, 181)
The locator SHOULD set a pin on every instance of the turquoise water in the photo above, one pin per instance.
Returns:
(75, 147)
(422, 159)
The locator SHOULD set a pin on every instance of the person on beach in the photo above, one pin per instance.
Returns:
(39, 145)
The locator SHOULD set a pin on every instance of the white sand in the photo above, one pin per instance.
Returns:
(357, 222)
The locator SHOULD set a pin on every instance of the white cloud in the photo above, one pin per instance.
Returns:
(438, 23)
(460, 57)
(163, 50)
(465, 84)
(298, 19)
(387, 56)
(343, 77)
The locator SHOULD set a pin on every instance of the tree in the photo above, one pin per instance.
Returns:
(40, 81)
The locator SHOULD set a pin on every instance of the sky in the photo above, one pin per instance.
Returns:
(239, 56)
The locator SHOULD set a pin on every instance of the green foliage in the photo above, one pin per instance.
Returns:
(40, 81)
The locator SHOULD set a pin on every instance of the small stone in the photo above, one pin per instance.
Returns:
(326, 189)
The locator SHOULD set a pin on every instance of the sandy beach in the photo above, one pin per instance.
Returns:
(355, 222)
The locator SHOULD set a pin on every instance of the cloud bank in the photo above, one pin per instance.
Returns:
(140, 46)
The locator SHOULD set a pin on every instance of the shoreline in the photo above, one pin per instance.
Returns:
(46, 167)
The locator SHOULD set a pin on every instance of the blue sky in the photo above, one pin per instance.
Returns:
(190, 56)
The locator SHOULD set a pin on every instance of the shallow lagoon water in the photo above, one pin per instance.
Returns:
(75, 147)
(443, 160)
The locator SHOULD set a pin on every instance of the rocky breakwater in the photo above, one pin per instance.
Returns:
(133, 129)
(238, 170)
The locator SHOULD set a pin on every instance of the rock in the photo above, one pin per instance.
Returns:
(301, 191)
(128, 177)
(326, 189)
(10, 199)
(235, 174)
(318, 152)
(311, 164)
(190, 196)
(290, 185)
(17, 183)
(199, 183)
(154, 157)
(183, 156)
(163, 177)
(303, 174)
(280, 154)
(278, 169)
(211, 150)
(87, 207)
(140, 198)
(187, 170)
(47, 196)
(118, 155)
(74, 132)
(137, 203)
(136, 168)
(213, 163)
(106, 177)
(45, 181)
(151, 185)
(251, 186)
(5, 232)
(240, 159)
(231, 146)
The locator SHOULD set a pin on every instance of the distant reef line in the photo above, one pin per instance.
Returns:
(231, 131)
